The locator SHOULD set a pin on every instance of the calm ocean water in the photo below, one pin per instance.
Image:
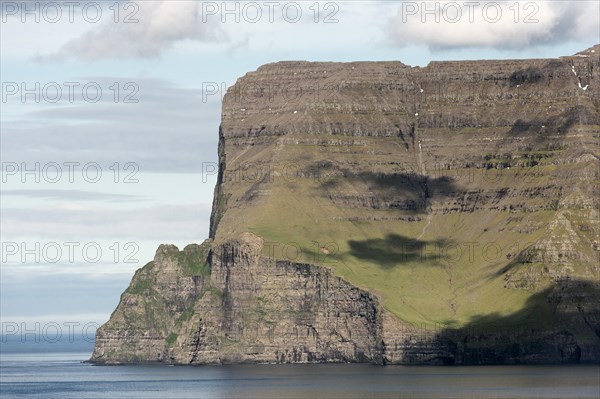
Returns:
(48, 375)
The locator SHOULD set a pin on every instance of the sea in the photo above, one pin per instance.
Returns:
(59, 371)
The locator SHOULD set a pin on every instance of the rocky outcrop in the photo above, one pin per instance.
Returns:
(253, 309)
(375, 212)
(250, 309)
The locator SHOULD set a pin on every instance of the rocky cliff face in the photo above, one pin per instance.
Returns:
(251, 309)
(374, 212)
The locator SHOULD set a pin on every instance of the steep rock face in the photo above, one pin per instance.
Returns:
(376, 212)
(281, 311)
(250, 309)
(158, 299)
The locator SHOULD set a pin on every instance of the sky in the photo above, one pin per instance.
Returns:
(110, 113)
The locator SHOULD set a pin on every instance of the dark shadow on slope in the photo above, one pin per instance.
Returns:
(529, 75)
(527, 256)
(539, 129)
(409, 191)
(537, 75)
(396, 249)
(558, 325)
(402, 183)
(540, 134)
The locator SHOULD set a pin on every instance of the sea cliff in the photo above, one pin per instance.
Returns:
(377, 212)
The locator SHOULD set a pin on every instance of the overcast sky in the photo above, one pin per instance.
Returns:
(107, 123)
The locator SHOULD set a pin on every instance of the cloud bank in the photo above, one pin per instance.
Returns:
(169, 130)
(496, 24)
(152, 27)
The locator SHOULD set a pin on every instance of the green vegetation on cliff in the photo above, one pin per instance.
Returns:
(451, 199)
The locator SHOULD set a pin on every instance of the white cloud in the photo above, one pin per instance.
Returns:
(46, 296)
(160, 25)
(182, 223)
(170, 129)
(39, 323)
(497, 24)
(74, 195)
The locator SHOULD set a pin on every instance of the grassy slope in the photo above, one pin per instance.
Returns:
(444, 287)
